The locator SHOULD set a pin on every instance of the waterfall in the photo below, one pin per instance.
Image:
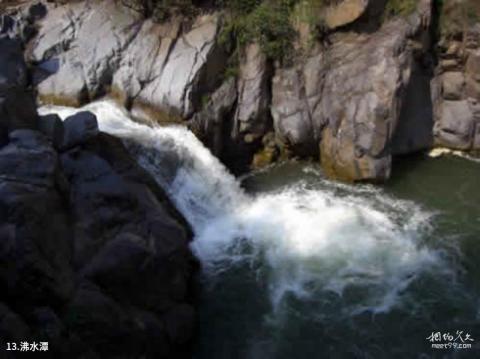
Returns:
(312, 240)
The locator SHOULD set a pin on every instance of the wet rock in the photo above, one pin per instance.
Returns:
(12, 326)
(178, 323)
(187, 67)
(48, 325)
(141, 271)
(109, 228)
(7, 24)
(98, 321)
(87, 43)
(87, 238)
(17, 105)
(37, 11)
(36, 245)
(29, 158)
(78, 129)
(268, 154)
(212, 123)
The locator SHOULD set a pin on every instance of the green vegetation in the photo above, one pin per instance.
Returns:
(270, 23)
(265, 22)
(400, 8)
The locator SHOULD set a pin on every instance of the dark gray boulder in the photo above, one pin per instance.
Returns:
(52, 127)
(92, 252)
(35, 243)
(17, 104)
(343, 100)
(78, 129)
(12, 326)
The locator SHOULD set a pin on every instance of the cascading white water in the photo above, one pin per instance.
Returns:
(311, 239)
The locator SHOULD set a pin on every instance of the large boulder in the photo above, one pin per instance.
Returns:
(52, 126)
(78, 129)
(93, 253)
(87, 40)
(17, 105)
(129, 240)
(12, 326)
(84, 49)
(36, 246)
(17, 20)
(456, 91)
(212, 124)
(345, 100)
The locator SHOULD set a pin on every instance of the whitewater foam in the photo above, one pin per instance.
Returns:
(442, 151)
(313, 240)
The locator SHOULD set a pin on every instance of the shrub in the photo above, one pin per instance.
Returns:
(400, 7)
(160, 10)
(265, 22)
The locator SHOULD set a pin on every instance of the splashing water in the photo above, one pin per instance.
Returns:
(313, 240)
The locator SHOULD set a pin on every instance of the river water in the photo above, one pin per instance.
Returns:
(296, 266)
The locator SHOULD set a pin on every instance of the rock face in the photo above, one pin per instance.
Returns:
(345, 12)
(96, 46)
(212, 124)
(17, 107)
(95, 259)
(253, 96)
(346, 100)
(456, 92)
(359, 96)
(182, 65)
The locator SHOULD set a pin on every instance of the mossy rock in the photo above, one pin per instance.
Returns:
(154, 115)
(59, 100)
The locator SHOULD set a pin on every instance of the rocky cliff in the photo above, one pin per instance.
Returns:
(94, 257)
(355, 92)
(456, 86)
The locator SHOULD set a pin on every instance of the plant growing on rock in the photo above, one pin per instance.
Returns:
(160, 10)
(400, 7)
(266, 22)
